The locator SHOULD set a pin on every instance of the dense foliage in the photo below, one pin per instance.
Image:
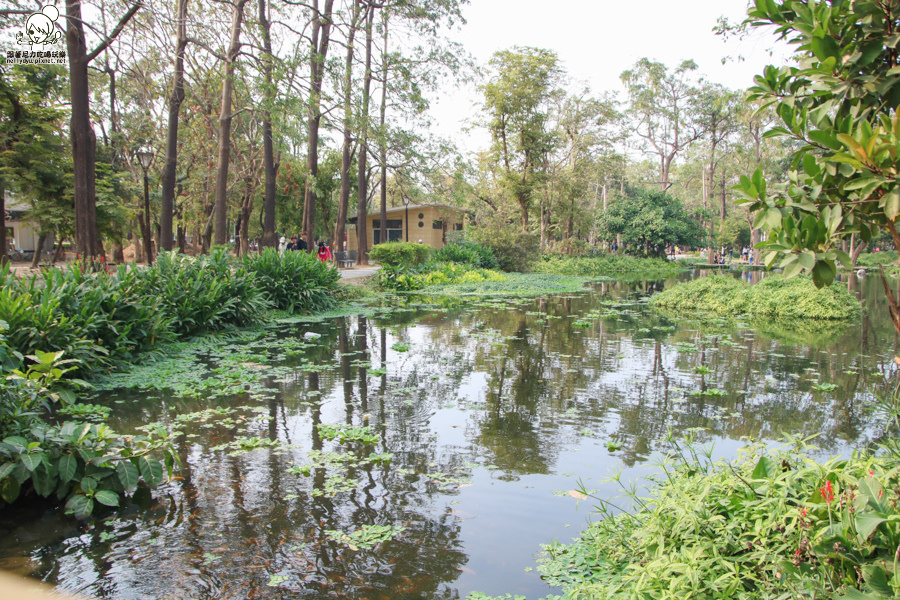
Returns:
(513, 248)
(400, 254)
(776, 298)
(294, 281)
(648, 221)
(467, 253)
(838, 104)
(609, 265)
(772, 524)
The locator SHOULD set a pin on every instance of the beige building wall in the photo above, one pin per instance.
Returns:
(429, 224)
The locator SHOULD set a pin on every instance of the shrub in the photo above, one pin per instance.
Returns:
(83, 464)
(202, 293)
(773, 524)
(400, 254)
(775, 297)
(97, 318)
(513, 248)
(468, 253)
(606, 265)
(873, 259)
(294, 281)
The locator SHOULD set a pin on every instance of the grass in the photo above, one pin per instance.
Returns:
(516, 284)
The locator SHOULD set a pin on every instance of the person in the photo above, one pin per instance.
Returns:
(324, 253)
(301, 244)
(291, 245)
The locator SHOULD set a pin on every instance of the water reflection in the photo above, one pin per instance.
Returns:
(489, 412)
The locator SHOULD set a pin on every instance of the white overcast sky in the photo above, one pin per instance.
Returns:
(598, 39)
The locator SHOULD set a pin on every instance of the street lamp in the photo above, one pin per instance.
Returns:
(406, 218)
(145, 158)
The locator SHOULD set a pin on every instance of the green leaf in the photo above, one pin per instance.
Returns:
(9, 489)
(19, 443)
(67, 467)
(823, 138)
(764, 469)
(823, 273)
(107, 497)
(6, 469)
(866, 523)
(151, 471)
(128, 475)
(44, 482)
(81, 506)
(88, 484)
(877, 580)
(32, 460)
(891, 202)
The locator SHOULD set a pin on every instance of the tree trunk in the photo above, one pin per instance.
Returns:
(146, 223)
(382, 141)
(58, 252)
(346, 154)
(268, 236)
(39, 251)
(856, 249)
(4, 243)
(167, 211)
(84, 141)
(321, 30)
(362, 237)
(225, 118)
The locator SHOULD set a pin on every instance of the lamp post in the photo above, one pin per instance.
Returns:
(145, 158)
(406, 218)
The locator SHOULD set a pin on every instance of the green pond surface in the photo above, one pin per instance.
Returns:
(426, 448)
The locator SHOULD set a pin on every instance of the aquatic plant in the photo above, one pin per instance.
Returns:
(294, 281)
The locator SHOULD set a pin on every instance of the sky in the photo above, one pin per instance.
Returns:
(598, 39)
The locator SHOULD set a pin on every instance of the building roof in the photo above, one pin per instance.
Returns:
(400, 209)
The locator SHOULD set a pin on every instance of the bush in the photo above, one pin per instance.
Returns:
(468, 253)
(873, 259)
(202, 293)
(607, 265)
(83, 464)
(294, 281)
(775, 297)
(513, 248)
(775, 524)
(97, 318)
(400, 254)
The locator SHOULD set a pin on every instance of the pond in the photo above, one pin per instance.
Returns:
(426, 448)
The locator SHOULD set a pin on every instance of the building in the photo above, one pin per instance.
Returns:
(423, 223)
(20, 234)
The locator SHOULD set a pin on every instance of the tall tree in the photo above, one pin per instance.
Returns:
(170, 163)
(516, 99)
(225, 119)
(321, 35)
(84, 140)
(362, 175)
(662, 111)
(347, 125)
(269, 167)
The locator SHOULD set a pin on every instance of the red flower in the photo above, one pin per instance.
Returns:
(827, 492)
(803, 511)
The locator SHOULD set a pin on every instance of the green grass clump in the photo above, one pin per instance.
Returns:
(516, 284)
(772, 524)
(610, 265)
(873, 259)
(775, 297)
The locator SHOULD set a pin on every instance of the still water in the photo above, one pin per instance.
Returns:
(487, 416)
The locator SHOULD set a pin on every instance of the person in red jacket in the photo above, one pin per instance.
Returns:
(324, 253)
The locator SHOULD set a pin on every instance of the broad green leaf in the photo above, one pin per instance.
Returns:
(6, 469)
(81, 506)
(877, 580)
(9, 489)
(764, 469)
(128, 475)
(807, 259)
(866, 523)
(17, 442)
(107, 498)
(823, 138)
(823, 273)
(32, 460)
(44, 481)
(891, 202)
(67, 466)
(151, 471)
(88, 484)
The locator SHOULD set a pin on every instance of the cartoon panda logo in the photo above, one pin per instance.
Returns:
(40, 29)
